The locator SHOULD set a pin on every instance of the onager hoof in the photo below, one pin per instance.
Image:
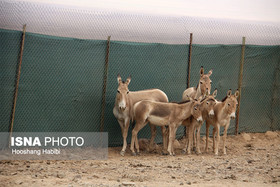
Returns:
(172, 154)
(164, 153)
(184, 151)
(134, 154)
(122, 153)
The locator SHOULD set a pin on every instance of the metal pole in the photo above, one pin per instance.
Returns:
(189, 68)
(17, 84)
(105, 84)
(189, 61)
(275, 96)
(240, 83)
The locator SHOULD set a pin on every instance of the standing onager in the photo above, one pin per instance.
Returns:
(207, 110)
(224, 111)
(123, 109)
(157, 113)
(203, 86)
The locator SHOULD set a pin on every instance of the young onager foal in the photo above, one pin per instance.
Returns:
(207, 110)
(123, 109)
(224, 111)
(203, 86)
(157, 113)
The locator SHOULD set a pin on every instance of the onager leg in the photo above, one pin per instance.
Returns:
(224, 139)
(173, 149)
(207, 136)
(198, 138)
(136, 129)
(164, 132)
(124, 133)
(171, 138)
(188, 146)
(218, 140)
(187, 124)
(194, 138)
(153, 136)
(214, 138)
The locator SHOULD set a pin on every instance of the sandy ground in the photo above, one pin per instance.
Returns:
(252, 160)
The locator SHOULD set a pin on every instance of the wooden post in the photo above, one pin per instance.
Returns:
(189, 61)
(105, 84)
(17, 84)
(240, 84)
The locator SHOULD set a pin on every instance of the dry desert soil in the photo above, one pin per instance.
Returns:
(253, 159)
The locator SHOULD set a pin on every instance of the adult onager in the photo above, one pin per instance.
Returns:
(157, 113)
(224, 111)
(207, 110)
(123, 109)
(203, 86)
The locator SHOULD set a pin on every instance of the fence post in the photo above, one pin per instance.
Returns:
(275, 88)
(189, 61)
(105, 84)
(17, 84)
(240, 83)
(189, 69)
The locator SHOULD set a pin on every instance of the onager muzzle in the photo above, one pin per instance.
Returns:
(200, 119)
(211, 113)
(122, 105)
(232, 115)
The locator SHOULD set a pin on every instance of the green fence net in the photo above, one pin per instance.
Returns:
(60, 88)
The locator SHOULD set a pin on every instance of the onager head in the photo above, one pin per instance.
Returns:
(208, 103)
(204, 81)
(230, 102)
(196, 110)
(122, 93)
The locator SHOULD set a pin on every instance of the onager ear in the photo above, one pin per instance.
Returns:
(210, 72)
(128, 80)
(201, 71)
(119, 78)
(214, 94)
(201, 97)
(206, 94)
(236, 94)
(229, 93)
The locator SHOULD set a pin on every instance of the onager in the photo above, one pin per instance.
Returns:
(224, 111)
(157, 113)
(123, 109)
(203, 86)
(207, 110)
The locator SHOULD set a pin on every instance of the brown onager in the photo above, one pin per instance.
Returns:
(123, 109)
(203, 86)
(207, 109)
(224, 111)
(157, 113)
